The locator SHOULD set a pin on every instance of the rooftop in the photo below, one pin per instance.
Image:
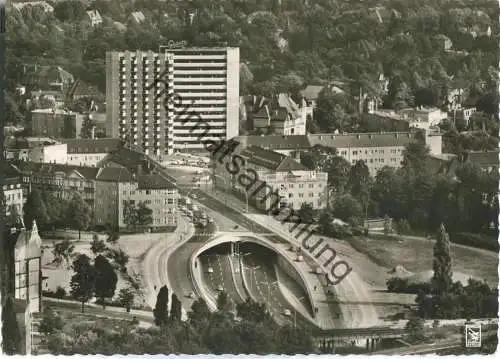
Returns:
(98, 145)
(276, 142)
(271, 160)
(51, 168)
(154, 181)
(386, 139)
(114, 174)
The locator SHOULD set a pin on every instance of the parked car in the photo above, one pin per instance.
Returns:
(287, 312)
(210, 270)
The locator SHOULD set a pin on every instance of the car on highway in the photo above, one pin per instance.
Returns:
(210, 220)
(194, 196)
(300, 258)
(210, 270)
(287, 312)
(319, 270)
(219, 288)
(191, 295)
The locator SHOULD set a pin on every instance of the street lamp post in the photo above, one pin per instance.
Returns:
(225, 183)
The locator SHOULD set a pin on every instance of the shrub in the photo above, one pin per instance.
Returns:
(476, 240)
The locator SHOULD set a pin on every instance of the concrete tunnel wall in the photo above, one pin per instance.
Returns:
(290, 269)
(225, 238)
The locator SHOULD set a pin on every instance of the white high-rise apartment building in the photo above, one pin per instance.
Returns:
(202, 83)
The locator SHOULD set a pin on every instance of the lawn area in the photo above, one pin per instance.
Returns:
(416, 256)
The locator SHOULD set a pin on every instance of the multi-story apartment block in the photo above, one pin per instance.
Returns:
(61, 180)
(375, 149)
(280, 181)
(205, 82)
(56, 123)
(116, 186)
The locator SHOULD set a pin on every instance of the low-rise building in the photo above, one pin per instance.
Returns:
(423, 118)
(269, 180)
(56, 123)
(49, 153)
(89, 152)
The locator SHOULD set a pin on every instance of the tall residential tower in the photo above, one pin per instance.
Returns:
(205, 82)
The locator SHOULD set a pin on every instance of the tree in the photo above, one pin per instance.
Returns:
(13, 220)
(11, 336)
(199, 314)
(442, 279)
(113, 238)
(293, 341)
(415, 329)
(176, 309)
(222, 301)
(79, 214)
(119, 257)
(87, 126)
(98, 245)
(106, 278)
(160, 311)
(144, 214)
(360, 184)
(60, 292)
(35, 209)
(63, 251)
(51, 322)
(126, 298)
(253, 312)
(348, 209)
(306, 213)
(83, 281)
(130, 215)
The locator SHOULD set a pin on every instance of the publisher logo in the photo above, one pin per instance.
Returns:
(472, 336)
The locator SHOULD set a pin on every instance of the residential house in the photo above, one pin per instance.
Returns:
(56, 123)
(280, 115)
(94, 17)
(462, 116)
(43, 77)
(280, 181)
(423, 118)
(138, 17)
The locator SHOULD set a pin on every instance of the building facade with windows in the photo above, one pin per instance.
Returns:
(12, 190)
(56, 123)
(205, 82)
(292, 183)
(115, 187)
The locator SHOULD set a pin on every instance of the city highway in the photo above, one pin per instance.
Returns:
(262, 284)
(220, 277)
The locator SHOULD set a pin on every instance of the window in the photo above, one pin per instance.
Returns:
(301, 195)
(311, 194)
(148, 192)
(290, 195)
(290, 185)
(311, 185)
(301, 185)
(354, 153)
(148, 201)
(170, 201)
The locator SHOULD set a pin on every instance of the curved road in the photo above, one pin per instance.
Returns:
(262, 284)
(222, 276)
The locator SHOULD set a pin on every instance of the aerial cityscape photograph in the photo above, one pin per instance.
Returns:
(250, 177)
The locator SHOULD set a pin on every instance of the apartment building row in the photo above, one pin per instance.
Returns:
(375, 149)
(105, 189)
(205, 82)
(280, 181)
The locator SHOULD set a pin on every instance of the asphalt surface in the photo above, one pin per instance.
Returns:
(221, 276)
(262, 284)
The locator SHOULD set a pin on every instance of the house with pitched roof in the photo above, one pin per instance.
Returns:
(94, 17)
(269, 179)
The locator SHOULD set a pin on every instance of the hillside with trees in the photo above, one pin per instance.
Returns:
(284, 45)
